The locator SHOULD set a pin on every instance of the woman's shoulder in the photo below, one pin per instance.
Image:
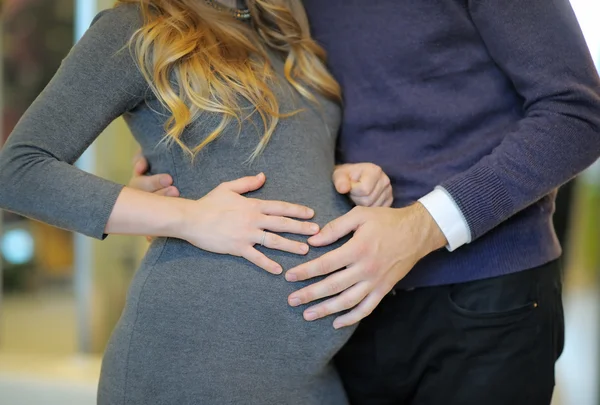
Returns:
(109, 35)
(103, 50)
(120, 19)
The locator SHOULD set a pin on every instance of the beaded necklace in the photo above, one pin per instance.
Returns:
(239, 13)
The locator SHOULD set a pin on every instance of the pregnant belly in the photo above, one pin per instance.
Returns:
(223, 307)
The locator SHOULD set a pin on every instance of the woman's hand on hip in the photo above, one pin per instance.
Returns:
(226, 222)
(365, 183)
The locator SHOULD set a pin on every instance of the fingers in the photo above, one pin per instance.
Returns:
(273, 241)
(364, 187)
(383, 188)
(262, 261)
(361, 311)
(342, 302)
(341, 180)
(140, 166)
(385, 199)
(337, 228)
(168, 192)
(287, 225)
(245, 184)
(329, 262)
(140, 163)
(284, 209)
(332, 285)
(371, 199)
(159, 184)
(362, 201)
(367, 182)
(151, 184)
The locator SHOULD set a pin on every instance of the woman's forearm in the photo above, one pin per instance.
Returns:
(96, 83)
(141, 213)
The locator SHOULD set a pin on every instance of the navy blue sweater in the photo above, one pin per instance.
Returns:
(497, 101)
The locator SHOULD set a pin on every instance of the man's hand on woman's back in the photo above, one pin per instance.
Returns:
(160, 184)
(365, 183)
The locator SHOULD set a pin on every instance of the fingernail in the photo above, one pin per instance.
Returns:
(165, 181)
(310, 316)
(259, 175)
(314, 228)
(310, 212)
(337, 325)
(277, 270)
(291, 277)
(304, 248)
(295, 302)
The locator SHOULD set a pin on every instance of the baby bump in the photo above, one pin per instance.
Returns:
(229, 315)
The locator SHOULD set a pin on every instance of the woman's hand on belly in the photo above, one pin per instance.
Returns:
(226, 222)
(271, 215)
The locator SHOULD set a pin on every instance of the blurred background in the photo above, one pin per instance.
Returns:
(61, 293)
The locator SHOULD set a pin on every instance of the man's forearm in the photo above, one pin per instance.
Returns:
(559, 134)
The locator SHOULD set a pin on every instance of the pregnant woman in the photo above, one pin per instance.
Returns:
(214, 95)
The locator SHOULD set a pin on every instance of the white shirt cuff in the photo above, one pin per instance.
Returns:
(448, 216)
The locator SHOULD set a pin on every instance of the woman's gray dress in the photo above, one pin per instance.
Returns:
(198, 328)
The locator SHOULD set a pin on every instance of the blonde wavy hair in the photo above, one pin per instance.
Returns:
(219, 61)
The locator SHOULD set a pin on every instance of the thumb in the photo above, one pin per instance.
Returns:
(140, 166)
(342, 181)
(246, 184)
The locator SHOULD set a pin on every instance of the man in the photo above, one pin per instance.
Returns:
(477, 111)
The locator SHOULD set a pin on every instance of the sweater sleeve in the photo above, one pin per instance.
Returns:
(539, 46)
(96, 83)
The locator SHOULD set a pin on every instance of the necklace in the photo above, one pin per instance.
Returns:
(239, 13)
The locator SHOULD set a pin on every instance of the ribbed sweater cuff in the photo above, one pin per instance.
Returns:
(481, 197)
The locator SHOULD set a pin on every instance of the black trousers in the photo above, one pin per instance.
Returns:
(562, 214)
(492, 341)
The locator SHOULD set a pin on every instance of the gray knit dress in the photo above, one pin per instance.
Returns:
(198, 327)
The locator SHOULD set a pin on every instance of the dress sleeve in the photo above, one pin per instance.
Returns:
(96, 83)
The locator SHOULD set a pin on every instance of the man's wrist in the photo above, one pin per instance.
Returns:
(433, 237)
(448, 216)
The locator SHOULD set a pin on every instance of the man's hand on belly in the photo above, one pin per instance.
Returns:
(386, 244)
